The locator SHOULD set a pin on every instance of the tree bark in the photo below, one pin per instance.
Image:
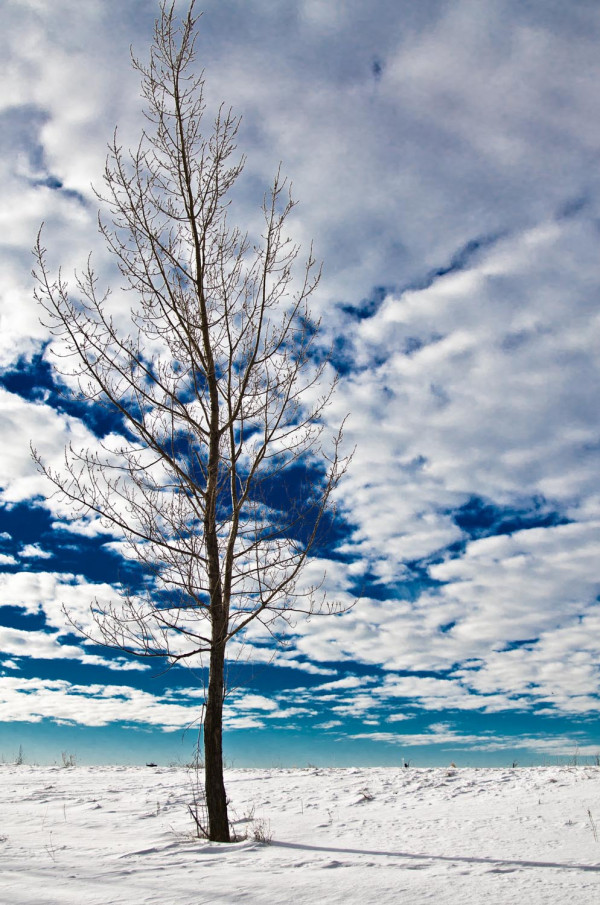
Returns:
(216, 799)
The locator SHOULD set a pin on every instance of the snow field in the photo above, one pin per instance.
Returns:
(108, 835)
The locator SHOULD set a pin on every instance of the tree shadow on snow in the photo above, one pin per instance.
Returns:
(500, 864)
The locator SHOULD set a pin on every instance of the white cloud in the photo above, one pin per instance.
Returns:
(381, 201)
(248, 706)
(554, 746)
(482, 124)
(31, 700)
(9, 664)
(497, 401)
(34, 551)
(509, 608)
(43, 645)
(49, 431)
(50, 594)
(254, 702)
(89, 526)
(348, 682)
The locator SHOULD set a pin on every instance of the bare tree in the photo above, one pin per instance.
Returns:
(219, 385)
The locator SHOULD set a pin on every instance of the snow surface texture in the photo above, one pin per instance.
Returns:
(103, 835)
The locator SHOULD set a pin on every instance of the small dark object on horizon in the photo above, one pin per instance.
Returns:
(152, 765)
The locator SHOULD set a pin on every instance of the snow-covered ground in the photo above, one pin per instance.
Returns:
(103, 835)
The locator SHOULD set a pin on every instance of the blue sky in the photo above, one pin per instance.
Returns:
(446, 156)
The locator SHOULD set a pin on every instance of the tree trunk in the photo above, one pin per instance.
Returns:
(216, 799)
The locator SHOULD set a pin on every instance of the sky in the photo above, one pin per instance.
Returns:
(446, 160)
